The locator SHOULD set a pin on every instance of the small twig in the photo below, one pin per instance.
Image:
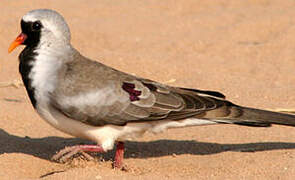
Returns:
(169, 81)
(51, 173)
(15, 83)
(12, 100)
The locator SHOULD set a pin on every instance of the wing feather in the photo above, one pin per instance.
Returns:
(153, 101)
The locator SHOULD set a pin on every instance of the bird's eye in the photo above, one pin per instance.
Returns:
(36, 26)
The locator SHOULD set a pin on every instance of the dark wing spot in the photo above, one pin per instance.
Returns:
(150, 86)
(211, 93)
(133, 94)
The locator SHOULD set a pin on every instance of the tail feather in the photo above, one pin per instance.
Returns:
(256, 117)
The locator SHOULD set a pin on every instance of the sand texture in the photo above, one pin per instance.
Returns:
(244, 49)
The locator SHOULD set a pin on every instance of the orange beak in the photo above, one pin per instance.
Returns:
(18, 41)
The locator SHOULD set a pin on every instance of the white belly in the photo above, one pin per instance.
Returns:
(108, 134)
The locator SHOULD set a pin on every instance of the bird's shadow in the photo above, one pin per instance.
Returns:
(46, 147)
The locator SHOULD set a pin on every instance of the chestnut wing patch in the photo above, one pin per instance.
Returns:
(130, 89)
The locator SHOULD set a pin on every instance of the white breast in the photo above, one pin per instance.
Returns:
(44, 74)
(44, 77)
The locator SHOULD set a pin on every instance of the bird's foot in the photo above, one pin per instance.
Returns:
(65, 154)
(68, 152)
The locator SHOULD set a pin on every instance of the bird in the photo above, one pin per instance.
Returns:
(89, 100)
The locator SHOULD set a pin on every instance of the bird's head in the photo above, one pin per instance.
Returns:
(42, 27)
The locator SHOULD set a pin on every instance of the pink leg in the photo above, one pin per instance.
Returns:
(66, 153)
(119, 156)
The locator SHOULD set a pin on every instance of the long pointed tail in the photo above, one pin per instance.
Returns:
(256, 117)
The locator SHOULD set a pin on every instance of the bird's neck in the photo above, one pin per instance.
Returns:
(39, 68)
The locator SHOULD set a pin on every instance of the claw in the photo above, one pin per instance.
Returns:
(65, 154)
(68, 152)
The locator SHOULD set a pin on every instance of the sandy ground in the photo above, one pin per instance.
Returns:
(245, 49)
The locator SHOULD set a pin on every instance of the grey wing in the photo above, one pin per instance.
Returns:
(139, 100)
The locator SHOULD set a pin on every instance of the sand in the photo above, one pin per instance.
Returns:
(244, 49)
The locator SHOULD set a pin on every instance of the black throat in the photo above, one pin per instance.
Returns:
(26, 59)
(28, 56)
